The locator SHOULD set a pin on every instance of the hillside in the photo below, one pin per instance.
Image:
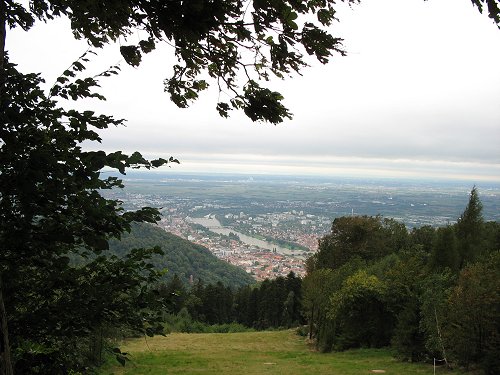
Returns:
(181, 257)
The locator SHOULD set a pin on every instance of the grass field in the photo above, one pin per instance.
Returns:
(253, 353)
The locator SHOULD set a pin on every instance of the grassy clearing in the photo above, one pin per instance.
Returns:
(253, 353)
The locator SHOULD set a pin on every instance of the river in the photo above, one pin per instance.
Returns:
(215, 226)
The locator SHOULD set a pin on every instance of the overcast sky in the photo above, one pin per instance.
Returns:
(417, 96)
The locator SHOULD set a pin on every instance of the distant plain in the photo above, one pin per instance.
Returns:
(413, 202)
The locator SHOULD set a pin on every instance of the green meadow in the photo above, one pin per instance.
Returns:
(254, 353)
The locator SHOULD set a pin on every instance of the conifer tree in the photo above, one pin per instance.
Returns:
(470, 227)
(444, 250)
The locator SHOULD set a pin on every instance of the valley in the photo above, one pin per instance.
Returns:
(268, 225)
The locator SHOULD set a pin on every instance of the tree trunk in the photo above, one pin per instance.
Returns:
(440, 338)
(3, 29)
(5, 359)
(311, 323)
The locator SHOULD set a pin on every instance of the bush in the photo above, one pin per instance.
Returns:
(229, 328)
(183, 322)
(302, 331)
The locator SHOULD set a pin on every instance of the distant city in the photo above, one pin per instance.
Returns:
(268, 225)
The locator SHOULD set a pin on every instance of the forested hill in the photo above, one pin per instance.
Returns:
(181, 257)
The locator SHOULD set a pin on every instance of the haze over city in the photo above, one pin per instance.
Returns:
(416, 96)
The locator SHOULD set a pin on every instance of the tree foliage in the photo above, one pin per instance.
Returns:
(470, 229)
(360, 313)
(275, 303)
(473, 322)
(231, 41)
(492, 7)
(373, 283)
(363, 237)
(272, 304)
(318, 286)
(50, 211)
(236, 43)
(444, 250)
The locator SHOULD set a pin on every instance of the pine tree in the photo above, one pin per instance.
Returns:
(469, 229)
(444, 250)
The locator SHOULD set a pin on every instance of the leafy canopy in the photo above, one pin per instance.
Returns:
(51, 210)
(230, 40)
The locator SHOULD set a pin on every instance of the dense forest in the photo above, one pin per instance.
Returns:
(428, 293)
(272, 304)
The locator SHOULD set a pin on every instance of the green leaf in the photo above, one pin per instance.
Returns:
(131, 54)
(289, 16)
(158, 162)
(147, 45)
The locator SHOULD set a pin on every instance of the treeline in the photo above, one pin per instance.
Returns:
(428, 293)
(271, 304)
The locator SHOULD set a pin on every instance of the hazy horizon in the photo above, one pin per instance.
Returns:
(170, 173)
(416, 97)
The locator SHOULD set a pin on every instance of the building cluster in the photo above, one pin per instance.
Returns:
(297, 231)
(260, 263)
(290, 226)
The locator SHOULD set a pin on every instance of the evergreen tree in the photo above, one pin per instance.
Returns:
(294, 285)
(194, 302)
(254, 306)
(469, 230)
(175, 294)
(445, 251)
(243, 307)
